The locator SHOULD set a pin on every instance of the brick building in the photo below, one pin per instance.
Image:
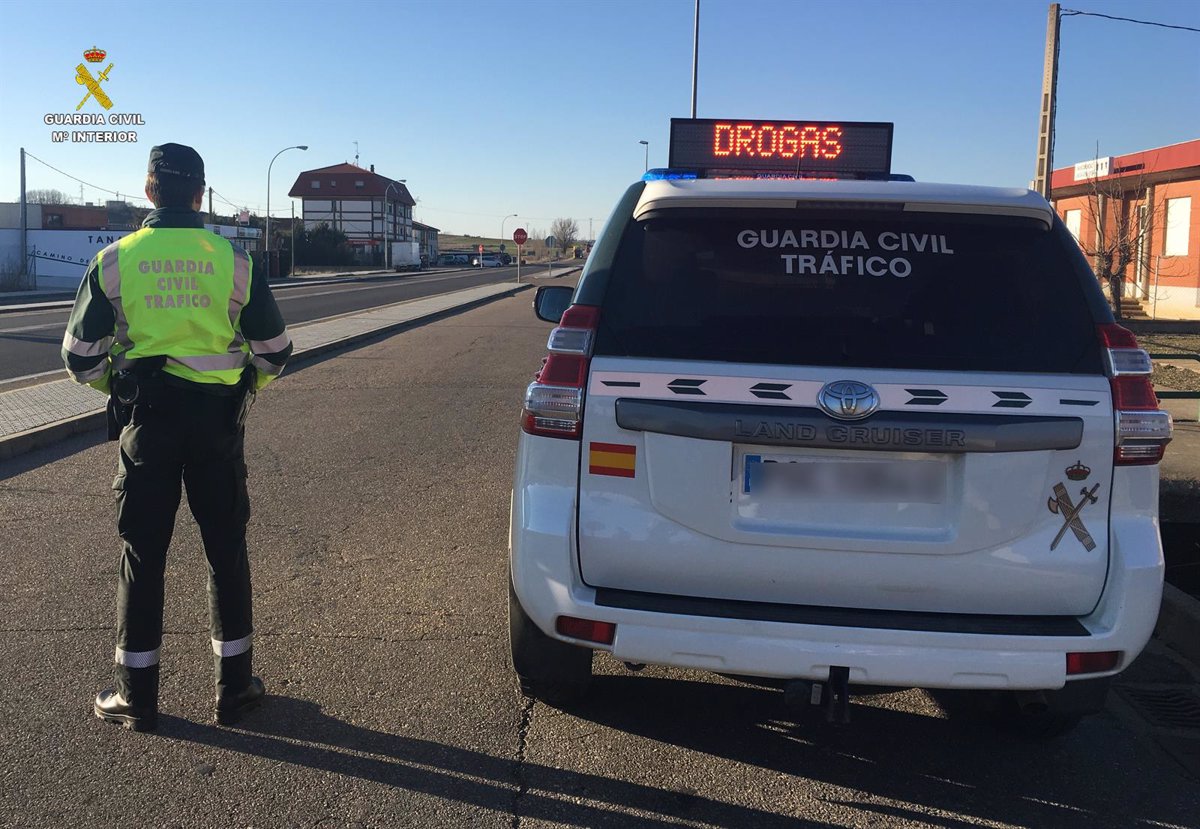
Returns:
(1152, 198)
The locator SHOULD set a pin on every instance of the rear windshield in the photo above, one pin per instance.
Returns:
(868, 289)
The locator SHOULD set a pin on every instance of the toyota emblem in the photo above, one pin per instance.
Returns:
(848, 399)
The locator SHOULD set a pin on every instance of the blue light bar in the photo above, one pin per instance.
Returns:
(668, 174)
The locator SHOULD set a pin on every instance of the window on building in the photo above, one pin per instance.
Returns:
(358, 184)
(1071, 219)
(1179, 221)
(316, 185)
(54, 220)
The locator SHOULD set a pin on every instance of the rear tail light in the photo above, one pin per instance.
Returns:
(1142, 429)
(554, 400)
(1092, 663)
(586, 629)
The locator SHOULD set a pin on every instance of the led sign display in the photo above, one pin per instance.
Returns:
(728, 146)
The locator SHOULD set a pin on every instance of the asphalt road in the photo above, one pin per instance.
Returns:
(380, 479)
(30, 340)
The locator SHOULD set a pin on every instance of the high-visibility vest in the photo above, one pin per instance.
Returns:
(178, 293)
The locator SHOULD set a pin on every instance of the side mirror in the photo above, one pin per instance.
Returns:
(551, 301)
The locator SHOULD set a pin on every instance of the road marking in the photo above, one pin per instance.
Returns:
(280, 297)
(4, 331)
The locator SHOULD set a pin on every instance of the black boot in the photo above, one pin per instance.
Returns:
(238, 692)
(133, 703)
(231, 706)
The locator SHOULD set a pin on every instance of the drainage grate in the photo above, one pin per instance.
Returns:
(1169, 707)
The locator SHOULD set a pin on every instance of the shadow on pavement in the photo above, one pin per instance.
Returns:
(930, 766)
(295, 731)
(11, 467)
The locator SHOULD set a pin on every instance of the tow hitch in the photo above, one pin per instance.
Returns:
(833, 695)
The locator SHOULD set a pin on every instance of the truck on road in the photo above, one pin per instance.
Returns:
(406, 256)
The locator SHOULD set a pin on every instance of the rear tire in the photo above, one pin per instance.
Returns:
(549, 670)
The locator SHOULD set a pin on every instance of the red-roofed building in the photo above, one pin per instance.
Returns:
(1160, 189)
(353, 200)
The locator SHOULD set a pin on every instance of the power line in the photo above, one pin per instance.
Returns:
(127, 194)
(221, 198)
(1073, 12)
(81, 181)
(258, 208)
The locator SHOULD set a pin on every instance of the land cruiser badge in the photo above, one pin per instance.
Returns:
(1061, 504)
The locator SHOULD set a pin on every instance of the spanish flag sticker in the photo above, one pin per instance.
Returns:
(612, 459)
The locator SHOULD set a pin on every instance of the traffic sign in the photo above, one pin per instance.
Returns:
(481, 248)
(520, 236)
(550, 240)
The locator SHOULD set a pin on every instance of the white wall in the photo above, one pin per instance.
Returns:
(59, 257)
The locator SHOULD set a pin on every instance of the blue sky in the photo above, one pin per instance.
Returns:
(536, 107)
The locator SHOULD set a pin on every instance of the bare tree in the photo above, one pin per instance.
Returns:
(1123, 211)
(46, 197)
(565, 232)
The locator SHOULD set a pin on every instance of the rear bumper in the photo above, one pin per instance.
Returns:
(547, 582)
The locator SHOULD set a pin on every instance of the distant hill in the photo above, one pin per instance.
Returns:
(533, 249)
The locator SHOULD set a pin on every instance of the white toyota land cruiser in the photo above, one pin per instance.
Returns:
(837, 433)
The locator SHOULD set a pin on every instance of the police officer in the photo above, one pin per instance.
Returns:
(173, 322)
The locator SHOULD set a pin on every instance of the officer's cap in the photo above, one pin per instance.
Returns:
(176, 160)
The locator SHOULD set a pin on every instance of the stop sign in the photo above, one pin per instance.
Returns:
(520, 236)
(481, 248)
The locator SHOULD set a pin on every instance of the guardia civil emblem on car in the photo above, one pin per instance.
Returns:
(847, 399)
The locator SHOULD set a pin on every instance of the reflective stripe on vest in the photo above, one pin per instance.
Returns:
(179, 292)
(83, 348)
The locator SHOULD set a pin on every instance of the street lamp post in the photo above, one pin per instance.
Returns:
(502, 221)
(267, 233)
(647, 146)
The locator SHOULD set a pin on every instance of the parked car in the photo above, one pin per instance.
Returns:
(488, 260)
(839, 433)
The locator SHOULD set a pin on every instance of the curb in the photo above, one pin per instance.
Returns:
(1178, 624)
(392, 328)
(42, 436)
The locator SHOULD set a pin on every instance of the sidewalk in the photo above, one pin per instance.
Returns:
(39, 415)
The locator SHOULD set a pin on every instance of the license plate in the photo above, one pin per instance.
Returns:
(780, 477)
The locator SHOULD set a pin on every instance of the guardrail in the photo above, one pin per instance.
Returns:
(1174, 394)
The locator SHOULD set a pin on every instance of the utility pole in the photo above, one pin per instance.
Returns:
(212, 217)
(696, 57)
(1045, 147)
(292, 269)
(24, 272)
